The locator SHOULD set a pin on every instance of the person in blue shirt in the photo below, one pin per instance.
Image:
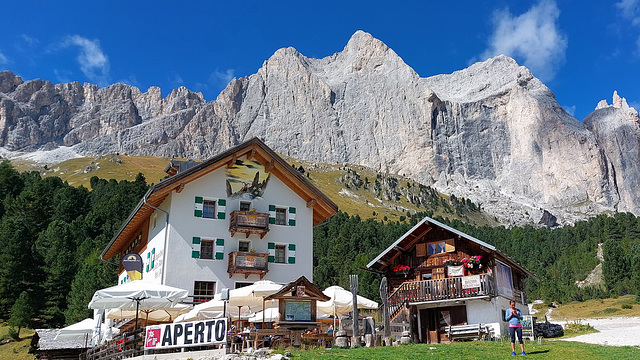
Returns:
(514, 317)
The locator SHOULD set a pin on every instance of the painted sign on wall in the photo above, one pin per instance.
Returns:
(178, 335)
(246, 179)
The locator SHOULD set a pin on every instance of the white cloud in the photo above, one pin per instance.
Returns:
(222, 78)
(30, 40)
(176, 80)
(570, 109)
(94, 64)
(533, 37)
(630, 10)
(3, 59)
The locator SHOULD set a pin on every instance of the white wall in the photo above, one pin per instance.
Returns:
(490, 312)
(182, 270)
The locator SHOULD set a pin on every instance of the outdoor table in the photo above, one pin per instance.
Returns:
(322, 339)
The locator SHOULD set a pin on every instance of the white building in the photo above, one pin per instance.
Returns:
(241, 216)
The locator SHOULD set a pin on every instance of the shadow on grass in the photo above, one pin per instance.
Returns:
(538, 352)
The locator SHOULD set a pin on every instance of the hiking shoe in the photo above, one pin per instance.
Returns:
(523, 354)
(513, 353)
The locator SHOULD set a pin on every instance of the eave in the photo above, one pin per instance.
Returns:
(254, 149)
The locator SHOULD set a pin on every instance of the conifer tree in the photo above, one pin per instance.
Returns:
(21, 313)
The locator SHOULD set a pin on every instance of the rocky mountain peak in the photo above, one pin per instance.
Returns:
(484, 79)
(491, 133)
(617, 103)
(9, 81)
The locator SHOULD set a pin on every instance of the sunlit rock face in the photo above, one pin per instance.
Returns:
(492, 133)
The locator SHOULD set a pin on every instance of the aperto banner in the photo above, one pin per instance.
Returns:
(178, 335)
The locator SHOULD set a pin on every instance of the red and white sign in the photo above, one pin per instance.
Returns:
(178, 335)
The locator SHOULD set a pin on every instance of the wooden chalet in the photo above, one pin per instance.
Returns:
(438, 277)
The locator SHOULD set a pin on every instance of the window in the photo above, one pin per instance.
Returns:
(437, 248)
(245, 206)
(280, 254)
(209, 209)
(281, 216)
(244, 246)
(203, 291)
(242, 284)
(206, 249)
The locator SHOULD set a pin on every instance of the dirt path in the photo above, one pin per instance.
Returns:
(621, 331)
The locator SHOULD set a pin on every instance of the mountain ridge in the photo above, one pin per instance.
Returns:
(492, 133)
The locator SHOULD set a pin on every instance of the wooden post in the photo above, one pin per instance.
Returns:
(384, 291)
(353, 282)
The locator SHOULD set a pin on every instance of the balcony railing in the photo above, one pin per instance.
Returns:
(248, 263)
(248, 222)
(441, 289)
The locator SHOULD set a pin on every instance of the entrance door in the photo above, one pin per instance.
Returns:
(429, 321)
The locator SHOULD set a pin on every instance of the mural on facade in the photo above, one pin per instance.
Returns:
(246, 179)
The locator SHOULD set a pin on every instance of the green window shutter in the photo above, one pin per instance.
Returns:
(272, 252)
(195, 247)
(219, 249)
(147, 267)
(152, 262)
(148, 255)
(292, 253)
(222, 208)
(197, 211)
(272, 214)
(292, 216)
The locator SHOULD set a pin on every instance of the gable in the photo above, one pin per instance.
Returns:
(233, 162)
(442, 237)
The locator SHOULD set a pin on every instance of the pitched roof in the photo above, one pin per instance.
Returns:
(47, 341)
(311, 290)
(323, 207)
(412, 236)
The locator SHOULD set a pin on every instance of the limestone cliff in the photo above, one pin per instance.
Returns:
(491, 133)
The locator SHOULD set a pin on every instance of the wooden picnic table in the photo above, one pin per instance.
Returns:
(322, 339)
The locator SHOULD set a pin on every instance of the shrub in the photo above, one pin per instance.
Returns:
(627, 306)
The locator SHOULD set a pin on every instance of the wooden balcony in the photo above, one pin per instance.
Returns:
(248, 263)
(441, 289)
(249, 223)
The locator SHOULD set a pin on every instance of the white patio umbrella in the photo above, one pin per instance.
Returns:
(136, 295)
(268, 315)
(212, 309)
(159, 315)
(341, 302)
(82, 330)
(247, 299)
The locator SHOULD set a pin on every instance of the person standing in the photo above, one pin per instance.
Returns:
(514, 317)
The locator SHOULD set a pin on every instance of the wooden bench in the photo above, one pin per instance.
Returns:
(256, 338)
(467, 332)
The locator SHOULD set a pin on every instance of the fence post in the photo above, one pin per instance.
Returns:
(353, 282)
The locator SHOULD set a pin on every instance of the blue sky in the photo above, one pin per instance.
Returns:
(582, 50)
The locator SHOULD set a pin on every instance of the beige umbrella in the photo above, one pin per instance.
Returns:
(158, 315)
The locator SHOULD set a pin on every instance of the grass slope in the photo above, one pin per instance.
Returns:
(622, 306)
(475, 350)
(16, 350)
(79, 171)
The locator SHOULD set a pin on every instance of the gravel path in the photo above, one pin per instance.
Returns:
(621, 331)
